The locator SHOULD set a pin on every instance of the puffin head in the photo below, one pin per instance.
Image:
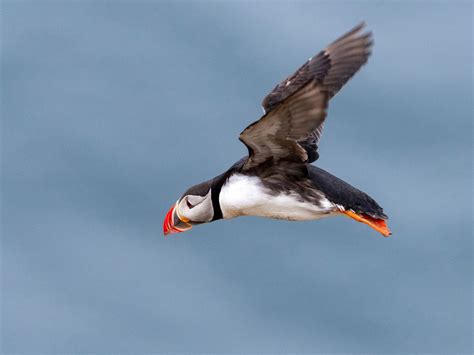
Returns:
(194, 207)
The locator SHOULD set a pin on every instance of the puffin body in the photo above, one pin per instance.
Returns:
(276, 179)
(244, 195)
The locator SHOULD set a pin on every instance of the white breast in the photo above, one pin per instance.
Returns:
(244, 195)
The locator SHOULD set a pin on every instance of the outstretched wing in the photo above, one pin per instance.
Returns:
(296, 108)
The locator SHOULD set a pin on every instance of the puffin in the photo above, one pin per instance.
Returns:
(276, 179)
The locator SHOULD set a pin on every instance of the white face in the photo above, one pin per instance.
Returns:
(196, 209)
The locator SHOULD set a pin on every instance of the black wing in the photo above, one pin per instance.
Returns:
(296, 108)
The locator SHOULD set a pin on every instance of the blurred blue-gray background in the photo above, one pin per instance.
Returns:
(110, 110)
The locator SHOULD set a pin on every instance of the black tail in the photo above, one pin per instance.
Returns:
(341, 193)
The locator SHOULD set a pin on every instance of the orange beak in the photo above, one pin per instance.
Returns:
(173, 223)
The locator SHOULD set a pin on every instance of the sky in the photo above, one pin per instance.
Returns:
(111, 110)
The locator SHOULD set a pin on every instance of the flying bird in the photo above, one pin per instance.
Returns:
(276, 179)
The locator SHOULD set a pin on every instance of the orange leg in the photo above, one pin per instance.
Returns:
(378, 224)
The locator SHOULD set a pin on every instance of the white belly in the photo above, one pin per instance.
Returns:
(245, 195)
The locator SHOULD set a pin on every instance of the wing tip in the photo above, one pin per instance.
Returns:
(354, 32)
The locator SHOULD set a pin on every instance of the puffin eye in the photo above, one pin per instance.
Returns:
(189, 204)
